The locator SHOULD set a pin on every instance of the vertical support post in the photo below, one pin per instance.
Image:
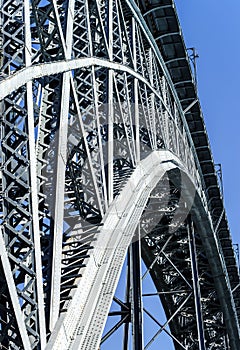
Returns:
(127, 300)
(152, 102)
(61, 158)
(110, 106)
(96, 109)
(136, 106)
(33, 180)
(177, 129)
(165, 106)
(136, 288)
(196, 286)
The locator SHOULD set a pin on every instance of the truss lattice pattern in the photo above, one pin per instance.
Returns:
(87, 101)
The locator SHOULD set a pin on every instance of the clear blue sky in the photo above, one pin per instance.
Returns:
(213, 28)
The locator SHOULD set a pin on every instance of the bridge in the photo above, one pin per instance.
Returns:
(106, 169)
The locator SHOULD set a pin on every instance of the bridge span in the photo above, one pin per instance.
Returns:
(106, 169)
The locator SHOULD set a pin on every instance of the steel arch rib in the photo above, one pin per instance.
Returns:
(82, 326)
(47, 69)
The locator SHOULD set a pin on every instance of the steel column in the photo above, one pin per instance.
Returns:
(196, 286)
(136, 292)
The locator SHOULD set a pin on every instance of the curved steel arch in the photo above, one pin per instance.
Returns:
(86, 101)
(82, 326)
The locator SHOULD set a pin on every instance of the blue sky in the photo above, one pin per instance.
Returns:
(213, 28)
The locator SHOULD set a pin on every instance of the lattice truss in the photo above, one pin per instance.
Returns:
(84, 98)
(173, 249)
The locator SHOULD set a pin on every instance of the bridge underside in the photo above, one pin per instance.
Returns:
(179, 248)
(102, 139)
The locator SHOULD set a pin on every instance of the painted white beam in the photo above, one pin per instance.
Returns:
(82, 325)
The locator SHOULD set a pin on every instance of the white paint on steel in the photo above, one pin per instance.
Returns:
(13, 294)
(60, 169)
(35, 216)
(61, 157)
(82, 325)
(21, 77)
(33, 181)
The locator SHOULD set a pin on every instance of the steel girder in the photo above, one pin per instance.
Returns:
(86, 98)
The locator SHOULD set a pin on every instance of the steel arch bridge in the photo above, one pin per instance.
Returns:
(104, 154)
